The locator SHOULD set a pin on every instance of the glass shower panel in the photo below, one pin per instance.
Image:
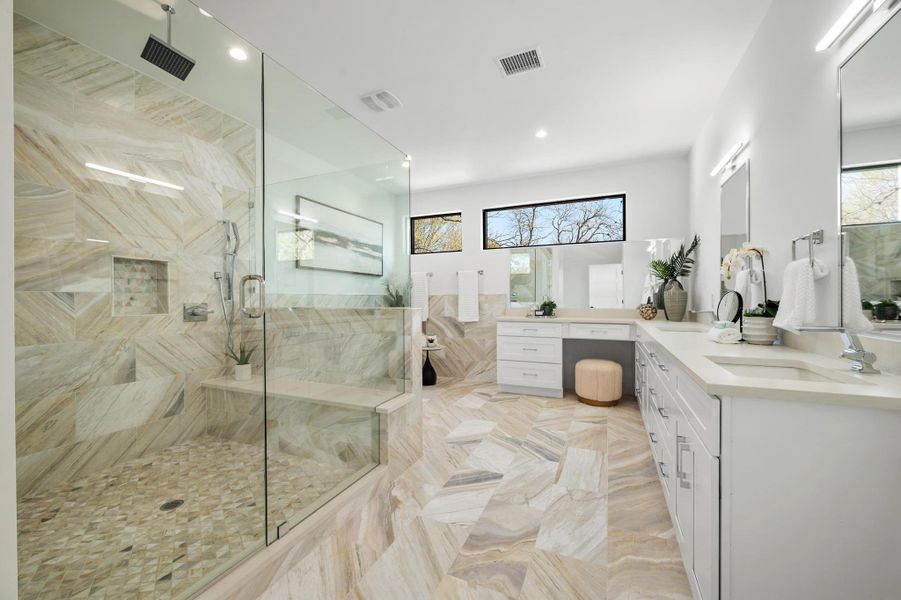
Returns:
(334, 218)
(140, 459)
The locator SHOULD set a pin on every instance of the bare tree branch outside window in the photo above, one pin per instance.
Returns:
(871, 195)
(437, 233)
(583, 221)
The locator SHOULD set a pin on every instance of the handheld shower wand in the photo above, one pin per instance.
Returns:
(226, 278)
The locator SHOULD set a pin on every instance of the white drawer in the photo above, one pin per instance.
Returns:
(700, 410)
(530, 349)
(516, 328)
(529, 374)
(599, 331)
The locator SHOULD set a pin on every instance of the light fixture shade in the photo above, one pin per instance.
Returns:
(729, 157)
(840, 26)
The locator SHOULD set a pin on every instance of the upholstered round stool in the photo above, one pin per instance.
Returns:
(599, 382)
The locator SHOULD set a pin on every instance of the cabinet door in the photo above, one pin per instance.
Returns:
(705, 572)
(697, 512)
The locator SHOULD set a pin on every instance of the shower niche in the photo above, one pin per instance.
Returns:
(140, 287)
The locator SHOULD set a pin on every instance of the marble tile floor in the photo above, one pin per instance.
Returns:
(106, 537)
(519, 497)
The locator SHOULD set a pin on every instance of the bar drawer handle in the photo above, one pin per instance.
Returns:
(653, 437)
(530, 374)
(530, 349)
(662, 412)
(535, 330)
(663, 469)
(662, 367)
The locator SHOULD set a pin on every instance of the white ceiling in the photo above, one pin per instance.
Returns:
(623, 79)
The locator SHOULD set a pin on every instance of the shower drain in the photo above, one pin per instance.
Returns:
(171, 504)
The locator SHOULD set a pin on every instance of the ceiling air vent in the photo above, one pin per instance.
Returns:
(521, 62)
(381, 101)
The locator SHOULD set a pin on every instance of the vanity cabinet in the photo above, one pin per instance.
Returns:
(681, 435)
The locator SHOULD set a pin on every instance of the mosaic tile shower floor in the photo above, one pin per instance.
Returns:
(106, 536)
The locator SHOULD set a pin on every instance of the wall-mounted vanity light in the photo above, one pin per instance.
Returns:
(728, 158)
(848, 18)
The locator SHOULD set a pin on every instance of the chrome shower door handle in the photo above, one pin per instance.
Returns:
(253, 313)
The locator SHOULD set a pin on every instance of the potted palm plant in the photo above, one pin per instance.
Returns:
(675, 298)
(243, 368)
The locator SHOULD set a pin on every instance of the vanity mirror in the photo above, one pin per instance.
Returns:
(604, 275)
(735, 197)
(871, 173)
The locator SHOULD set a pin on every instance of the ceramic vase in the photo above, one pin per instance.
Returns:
(675, 301)
(243, 372)
(759, 330)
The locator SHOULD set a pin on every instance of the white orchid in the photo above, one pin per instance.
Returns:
(735, 259)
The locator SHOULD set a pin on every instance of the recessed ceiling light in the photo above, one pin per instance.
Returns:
(541, 134)
(237, 53)
(204, 13)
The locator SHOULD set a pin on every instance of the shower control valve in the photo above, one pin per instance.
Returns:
(196, 312)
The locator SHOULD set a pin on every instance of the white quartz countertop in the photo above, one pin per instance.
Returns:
(687, 343)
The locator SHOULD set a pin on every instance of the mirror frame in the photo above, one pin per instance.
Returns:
(892, 14)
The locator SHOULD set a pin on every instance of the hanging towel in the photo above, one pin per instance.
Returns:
(755, 288)
(467, 296)
(798, 304)
(648, 290)
(852, 312)
(743, 287)
(420, 294)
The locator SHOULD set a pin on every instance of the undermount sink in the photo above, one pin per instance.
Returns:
(785, 370)
(688, 329)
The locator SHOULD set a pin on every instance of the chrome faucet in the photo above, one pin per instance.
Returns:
(862, 360)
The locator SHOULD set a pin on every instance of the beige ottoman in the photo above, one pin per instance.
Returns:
(599, 382)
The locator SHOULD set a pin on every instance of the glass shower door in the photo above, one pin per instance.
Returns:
(334, 221)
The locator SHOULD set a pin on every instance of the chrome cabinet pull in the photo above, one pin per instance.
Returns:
(253, 313)
(662, 367)
(652, 354)
(662, 468)
(530, 349)
(682, 446)
(534, 330)
(530, 374)
(662, 412)
(653, 437)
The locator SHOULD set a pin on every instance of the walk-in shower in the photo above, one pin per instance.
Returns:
(144, 467)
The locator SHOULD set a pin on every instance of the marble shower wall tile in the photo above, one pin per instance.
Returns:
(470, 348)
(94, 388)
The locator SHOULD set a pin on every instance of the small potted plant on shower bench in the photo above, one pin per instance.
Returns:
(243, 368)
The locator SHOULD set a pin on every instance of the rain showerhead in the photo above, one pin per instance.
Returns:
(163, 55)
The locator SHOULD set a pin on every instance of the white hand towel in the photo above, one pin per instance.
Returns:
(743, 287)
(420, 293)
(724, 336)
(852, 312)
(755, 289)
(648, 290)
(468, 296)
(798, 304)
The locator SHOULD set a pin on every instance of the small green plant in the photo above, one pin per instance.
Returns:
(886, 304)
(866, 305)
(679, 264)
(395, 296)
(548, 307)
(242, 356)
(766, 310)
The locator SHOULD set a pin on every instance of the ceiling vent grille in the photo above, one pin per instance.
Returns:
(527, 60)
(381, 101)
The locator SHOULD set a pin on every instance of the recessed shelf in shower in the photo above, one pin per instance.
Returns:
(140, 286)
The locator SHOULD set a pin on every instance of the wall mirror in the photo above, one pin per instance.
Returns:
(871, 175)
(605, 275)
(735, 198)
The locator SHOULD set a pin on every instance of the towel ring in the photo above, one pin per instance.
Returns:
(813, 238)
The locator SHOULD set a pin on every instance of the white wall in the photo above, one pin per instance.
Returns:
(8, 582)
(783, 99)
(656, 206)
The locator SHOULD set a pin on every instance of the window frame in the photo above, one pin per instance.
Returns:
(414, 218)
(485, 212)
